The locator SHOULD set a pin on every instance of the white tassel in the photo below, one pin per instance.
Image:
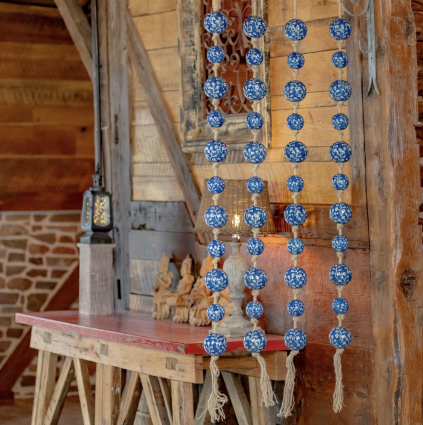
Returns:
(288, 392)
(338, 395)
(268, 396)
(216, 399)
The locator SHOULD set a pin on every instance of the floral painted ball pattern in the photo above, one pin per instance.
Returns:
(255, 216)
(340, 337)
(254, 309)
(254, 89)
(215, 344)
(340, 274)
(295, 30)
(215, 87)
(255, 184)
(216, 185)
(340, 213)
(340, 59)
(295, 91)
(215, 312)
(254, 121)
(340, 29)
(254, 27)
(296, 152)
(215, 22)
(295, 184)
(340, 152)
(215, 119)
(216, 280)
(295, 60)
(340, 90)
(295, 215)
(255, 246)
(295, 277)
(216, 151)
(255, 153)
(340, 243)
(295, 339)
(340, 182)
(295, 246)
(255, 341)
(340, 305)
(295, 122)
(296, 308)
(255, 278)
(254, 57)
(340, 121)
(216, 217)
(216, 248)
(215, 54)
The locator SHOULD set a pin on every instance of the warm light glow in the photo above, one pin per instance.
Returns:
(101, 210)
(86, 214)
(236, 221)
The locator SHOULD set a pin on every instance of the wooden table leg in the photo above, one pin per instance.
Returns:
(238, 398)
(155, 401)
(202, 415)
(261, 415)
(182, 403)
(84, 391)
(130, 399)
(107, 395)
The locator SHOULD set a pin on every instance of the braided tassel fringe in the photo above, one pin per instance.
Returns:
(268, 396)
(288, 391)
(338, 395)
(217, 399)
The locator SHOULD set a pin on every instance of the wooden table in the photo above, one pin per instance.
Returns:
(154, 352)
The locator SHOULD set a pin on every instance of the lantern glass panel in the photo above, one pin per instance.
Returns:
(86, 211)
(101, 210)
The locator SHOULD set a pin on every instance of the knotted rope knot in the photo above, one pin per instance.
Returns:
(340, 318)
(215, 69)
(295, 259)
(295, 319)
(255, 198)
(256, 105)
(295, 196)
(340, 256)
(254, 259)
(217, 399)
(288, 391)
(255, 43)
(255, 323)
(216, 5)
(256, 232)
(269, 398)
(340, 289)
(294, 134)
(215, 103)
(295, 231)
(216, 133)
(340, 167)
(296, 105)
(339, 227)
(340, 105)
(215, 166)
(216, 233)
(215, 198)
(340, 193)
(256, 71)
(215, 262)
(340, 134)
(338, 395)
(294, 45)
(295, 168)
(255, 168)
(216, 296)
(295, 73)
(256, 134)
(340, 72)
(340, 44)
(296, 292)
(255, 293)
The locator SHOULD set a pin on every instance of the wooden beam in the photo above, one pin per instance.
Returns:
(130, 400)
(84, 390)
(238, 398)
(156, 404)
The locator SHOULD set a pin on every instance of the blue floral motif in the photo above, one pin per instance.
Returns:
(215, 119)
(295, 246)
(340, 90)
(255, 153)
(215, 87)
(255, 216)
(296, 152)
(295, 30)
(255, 341)
(295, 60)
(254, 309)
(216, 248)
(255, 184)
(215, 344)
(340, 59)
(340, 29)
(254, 57)
(295, 339)
(255, 278)
(340, 274)
(215, 151)
(254, 121)
(296, 308)
(340, 337)
(215, 312)
(254, 89)
(215, 22)
(216, 185)
(295, 122)
(340, 182)
(216, 217)
(295, 184)
(340, 305)
(216, 280)
(340, 213)
(295, 214)
(340, 152)
(340, 243)
(254, 27)
(340, 121)
(215, 54)
(255, 246)
(295, 277)
(295, 91)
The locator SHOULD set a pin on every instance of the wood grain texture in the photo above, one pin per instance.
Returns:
(150, 7)
(238, 398)
(84, 390)
(182, 403)
(202, 415)
(261, 415)
(159, 188)
(130, 400)
(107, 390)
(156, 404)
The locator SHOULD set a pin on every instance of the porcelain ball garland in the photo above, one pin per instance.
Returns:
(216, 280)
(215, 54)
(254, 89)
(295, 308)
(254, 57)
(255, 246)
(340, 213)
(254, 27)
(254, 121)
(216, 151)
(216, 217)
(255, 185)
(215, 344)
(255, 341)
(215, 87)
(216, 248)
(295, 60)
(340, 305)
(296, 151)
(295, 91)
(340, 152)
(340, 90)
(295, 339)
(340, 29)
(295, 30)
(295, 122)
(255, 278)
(215, 22)
(295, 214)
(295, 184)
(254, 309)
(340, 59)
(255, 216)
(216, 185)
(295, 277)
(295, 246)
(340, 337)
(340, 274)
(340, 182)
(340, 121)
(255, 152)
(215, 312)
(340, 243)
(215, 119)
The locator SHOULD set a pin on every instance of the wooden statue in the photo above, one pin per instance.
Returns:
(161, 289)
(181, 299)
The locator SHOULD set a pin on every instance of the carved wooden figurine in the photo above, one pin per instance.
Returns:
(161, 289)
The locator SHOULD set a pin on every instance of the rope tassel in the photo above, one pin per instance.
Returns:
(217, 400)
(338, 395)
(288, 392)
(268, 395)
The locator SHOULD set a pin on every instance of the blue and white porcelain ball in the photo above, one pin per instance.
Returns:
(340, 29)
(340, 213)
(215, 151)
(295, 184)
(295, 91)
(216, 248)
(255, 184)
(340, 274)
(255, 153)
(215, 312)
(215, 119)
(295, 60)
(340, 59)
(340, 243)
(295, 277)
(295, 339)
(340, 90)
(296, 308)
(255, 246)
(295, 122)
(215, 54)
(254, 121)
(255, 216)
(295, 215)
(254, 57)
(255, 278)
(296, 152)
(340, 337)
(340, 305)
(254, 309)
(215, 22)
(215, 217)
(216, 185)
(340, 182)
(254, 27)
(254, 89)
(215, 344)
(340, 152)
(215, 87)
(295, 30)
(216, 280)
(255, 341)
(295, 246)
(340, 121)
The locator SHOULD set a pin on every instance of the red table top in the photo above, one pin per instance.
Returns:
(138, 329)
